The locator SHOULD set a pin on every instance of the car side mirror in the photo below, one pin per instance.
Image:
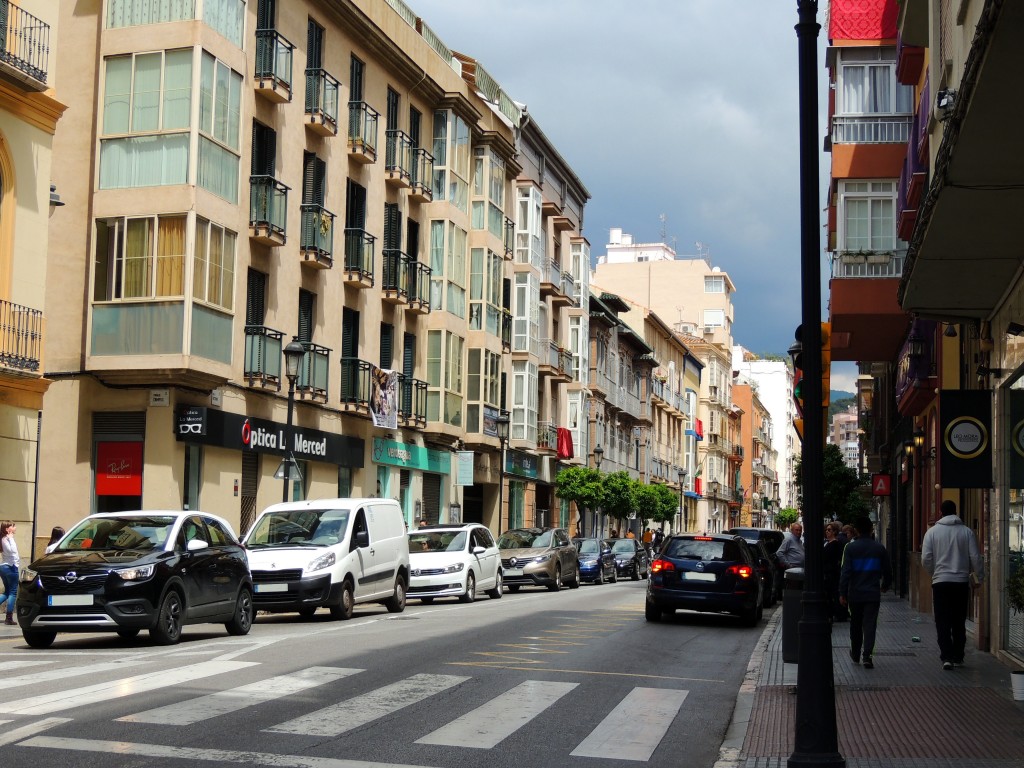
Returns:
(478, 550)
(362, 539)
(195, 545)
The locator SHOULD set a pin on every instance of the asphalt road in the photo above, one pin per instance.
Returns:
(532, 680)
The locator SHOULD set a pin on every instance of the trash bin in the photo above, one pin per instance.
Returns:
(792, 610)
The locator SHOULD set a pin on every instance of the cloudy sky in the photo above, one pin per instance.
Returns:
(682, 109)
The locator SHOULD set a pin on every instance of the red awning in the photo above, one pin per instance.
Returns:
(862, 19)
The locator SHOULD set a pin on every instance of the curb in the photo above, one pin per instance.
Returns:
(732, 745)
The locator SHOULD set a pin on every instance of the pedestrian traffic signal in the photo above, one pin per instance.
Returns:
(826, 362)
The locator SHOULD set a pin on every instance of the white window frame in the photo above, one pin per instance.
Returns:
(880, 190)
(900, 99)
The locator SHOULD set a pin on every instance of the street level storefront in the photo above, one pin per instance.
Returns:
(521, 471)
(247, 451)
(416, 475)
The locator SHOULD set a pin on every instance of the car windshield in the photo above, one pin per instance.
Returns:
(589, 547)
(93, 533)
(524, 539)
(299, 528)
(437, 541)
(624, 546)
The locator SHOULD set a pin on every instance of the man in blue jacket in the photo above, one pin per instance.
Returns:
(865, 575)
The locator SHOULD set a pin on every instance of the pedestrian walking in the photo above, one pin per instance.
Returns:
(10, 564)
(790, 554)
(659, 537)
(949, 552)
(865, 575)
(55, 536)
(832, 563)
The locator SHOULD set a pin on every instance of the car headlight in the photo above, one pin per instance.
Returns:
(28, 575)
(588, 561)
(454, 568)
(324, 561)
(135, 574)
(542, 558)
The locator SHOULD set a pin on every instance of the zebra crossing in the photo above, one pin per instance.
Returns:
(631, 730)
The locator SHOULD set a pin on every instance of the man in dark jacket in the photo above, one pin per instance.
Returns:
(866, 573)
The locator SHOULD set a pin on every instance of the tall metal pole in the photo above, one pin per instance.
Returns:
(501, 484)
(287, 450)
(816, 741)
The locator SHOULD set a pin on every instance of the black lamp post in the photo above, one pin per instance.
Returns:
(598, 458)
(293, 353)
(501, 424)
(683, 522)
(816, 737)
(715, 487)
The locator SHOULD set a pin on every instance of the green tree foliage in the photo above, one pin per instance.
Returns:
(581, 485)
(786, 517)
(843, 492)
(620, 498)
(656, 502)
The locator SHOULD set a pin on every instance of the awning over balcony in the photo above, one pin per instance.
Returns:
(966, 248)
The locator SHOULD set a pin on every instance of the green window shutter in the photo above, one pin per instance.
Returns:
(409, 355)
(306, 306)
(349, 333)
(255, 297)
(387, 336)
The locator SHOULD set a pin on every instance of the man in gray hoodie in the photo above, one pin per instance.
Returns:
(950, 553)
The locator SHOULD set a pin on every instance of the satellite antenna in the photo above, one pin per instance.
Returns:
(663, 218)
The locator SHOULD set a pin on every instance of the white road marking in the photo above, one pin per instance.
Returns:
(160, 751)
(114, 689)
(33, 678)
(486, 726)
(633, 730)
(223, 702)
(348, 715)
(30, 729)
(6, 666)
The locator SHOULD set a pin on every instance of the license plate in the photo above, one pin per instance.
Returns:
(694, 576)
(271, 587)
(514, 572)
(69, 600)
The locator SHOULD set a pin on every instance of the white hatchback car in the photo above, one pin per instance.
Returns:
(453, 561)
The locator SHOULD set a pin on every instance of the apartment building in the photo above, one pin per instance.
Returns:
(373, 235)
(759, 476)
(29, 115)
(842, 432)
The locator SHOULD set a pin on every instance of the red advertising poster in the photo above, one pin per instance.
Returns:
(119, 469)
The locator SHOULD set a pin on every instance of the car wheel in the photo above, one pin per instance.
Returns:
(470, 594)
(343, 610)
(513, 587)
(575, 583)
(600, 575)
(652, 612)
(751, 616)
(39, 639)
(635, 576)
(495, 594)
(127, 633)
(557, 584)
(167, 630)
(307, 612)
(396, 603)
(614, 577)
(241, 622)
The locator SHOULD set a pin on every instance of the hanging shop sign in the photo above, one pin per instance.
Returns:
(520, 463)
(966, 432)
(464, 467)
(1016, 432)
(411, 456)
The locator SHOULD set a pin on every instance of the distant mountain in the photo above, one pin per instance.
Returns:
(838, 394)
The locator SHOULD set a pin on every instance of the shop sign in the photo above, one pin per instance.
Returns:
(464, 467)
(966, 429)
(411, 456)
(520, 463)
(491, 420)
(119, 469)
(199, 424)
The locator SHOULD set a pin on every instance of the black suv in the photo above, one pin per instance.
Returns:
(715, 573)
(129, 571)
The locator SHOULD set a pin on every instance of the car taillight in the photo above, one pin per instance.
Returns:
(661, 566)
(743, 571)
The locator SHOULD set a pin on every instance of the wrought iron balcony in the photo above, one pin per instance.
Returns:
(359, 254)
(313, 372)
(24, 45)
(547, 436)
(362, 131)
(273, 76)
(268, 210)
(21, 338)
(395, 279)
(421, 189)
(510, 237)
(322, 102)
(419, 287)
(412, 401)
(398, 162)
(356, 384)
(316, 242)
(263, 356)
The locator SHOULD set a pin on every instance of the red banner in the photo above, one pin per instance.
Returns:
(862, 19)
(119, 469)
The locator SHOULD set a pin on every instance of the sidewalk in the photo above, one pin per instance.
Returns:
(907, 712)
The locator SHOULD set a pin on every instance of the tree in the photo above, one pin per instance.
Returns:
(581, 485)
(620, 497)
(656, 502)
(786, 517)
(842, 488)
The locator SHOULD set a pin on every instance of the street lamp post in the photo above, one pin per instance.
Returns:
(683, 522)
(501, 425)
(293, 353)
(598, 458)
(715, 487)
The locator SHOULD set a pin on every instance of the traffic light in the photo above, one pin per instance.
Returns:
(796, 353)
(826, 362)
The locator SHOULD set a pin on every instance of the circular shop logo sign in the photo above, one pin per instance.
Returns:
(1018, 437)
(966, 437)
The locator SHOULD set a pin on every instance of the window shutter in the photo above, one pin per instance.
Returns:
(266, 13)
(319, 180)
(355, 78)
(314, 45)
(431, 498)
(255, 297)
(414, 127)
(412, 238)
(264, 149)
(392, 115)
(308, 177)
(355, 206)
(349, 333)
(409, 355)
(387, 338)
(506, 293)
(306, 300)
(392, 227)
(502, 400)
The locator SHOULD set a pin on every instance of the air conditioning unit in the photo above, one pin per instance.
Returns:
(709, 329)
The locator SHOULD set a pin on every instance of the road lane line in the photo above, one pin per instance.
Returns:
(635, 728)
(499, 718)
(115, 689)
(221, 703)
(190, 754)
(349, 715)
(6, 666)
(34, 678)
(498, 665)
(30, 729)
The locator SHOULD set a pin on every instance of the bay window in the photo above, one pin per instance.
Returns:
(214, 265)
(867, 216)
(524, 401)
(483, 386)
(448, 267)
(444, 377)
(485, 289)
(140, 258)
(220, 98)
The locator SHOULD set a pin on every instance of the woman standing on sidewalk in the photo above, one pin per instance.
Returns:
(9, 567)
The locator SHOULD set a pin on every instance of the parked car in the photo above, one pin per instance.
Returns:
(771, 537)
(631, 559)
(543, 557)
(714, 573)
(329, 553)
(453, 561)
(597, 562)
(128, 571)
(766, 569)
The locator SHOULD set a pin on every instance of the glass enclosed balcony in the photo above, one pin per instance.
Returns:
(398, 161)
(359, 255)
(317, 238)
(420, 189)
(313, 372)
(322, 102)
(362, 131)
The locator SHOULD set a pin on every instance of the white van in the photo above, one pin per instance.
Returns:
(331, 553)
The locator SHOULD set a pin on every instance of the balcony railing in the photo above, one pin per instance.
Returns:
(322, 101)
(510, 237)
(419, 286)
(422, 176)
(871, 129)
(875, 264)
(565, 362)
(24, 41)
(263, 355)
(569, 286)
(398, 156)
(317, 239)
(268, 205)
(274, 62)
(359, 251)
(395, 279)
(547, 436)
(412, 400)
(362, 130)
(313, 371)
(21, 338)
(356, 382)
